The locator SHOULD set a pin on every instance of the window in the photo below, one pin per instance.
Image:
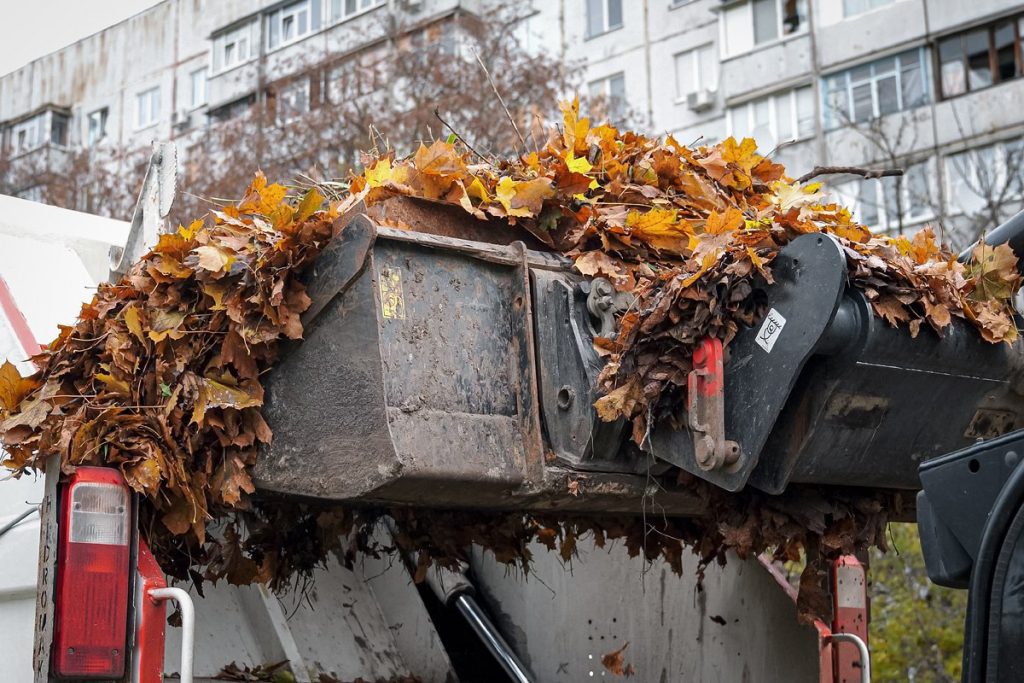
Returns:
(292, 101)
(28, 135)
(292, 22)
(603, 16)
(774, 119)
(696, 70)
(609, 96)
(343, 9)
(874, 89)
(985, 175)
(757, 22)
(48, 127)
(147, 107)
(235, 47)
(879, 203)
(980, 57)
(96, 127)
(59, 124)
(235, 109)
(854, 7)
(197, 82)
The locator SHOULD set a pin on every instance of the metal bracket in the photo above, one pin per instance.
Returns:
(153, 205)
(603, 302)
(188, 626)
(706, 407)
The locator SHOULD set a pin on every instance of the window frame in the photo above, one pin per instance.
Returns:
(1016, 21)
(154, 112)
(792, 94)
(606, 26)
(865, 11)
(291, 11)
(1000, 150)
(697, 73)
(830, 120)
(748, 8)
(850, 193)
(605, 82)
(234, 36)
(361, 6)
(193, 104)
(103, 114)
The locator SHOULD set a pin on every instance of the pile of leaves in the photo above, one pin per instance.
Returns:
(161, 374)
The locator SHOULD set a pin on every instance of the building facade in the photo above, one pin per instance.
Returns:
(931, 86)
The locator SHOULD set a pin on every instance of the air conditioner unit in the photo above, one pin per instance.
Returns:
(181, 118)
(413, 5)
(700, 100)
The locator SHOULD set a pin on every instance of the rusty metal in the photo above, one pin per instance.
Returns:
(706, 407)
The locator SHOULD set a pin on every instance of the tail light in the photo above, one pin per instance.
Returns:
(93, 576)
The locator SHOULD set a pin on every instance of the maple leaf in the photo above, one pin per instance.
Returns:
(167, 324)
(661, 229)
(13, 387)
(789, 196)
(523, 199)
(720, 224)
(214, 259)
(440, 159)
(620, 402)
(598, 262)
(994, 272)
(134, 322)
(310, 203)
(574, 132)
(214, 394)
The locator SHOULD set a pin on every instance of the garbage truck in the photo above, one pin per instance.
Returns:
(446, 367)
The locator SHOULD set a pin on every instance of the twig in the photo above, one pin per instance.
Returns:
(865, 173)
(457, 136)
(502, 101)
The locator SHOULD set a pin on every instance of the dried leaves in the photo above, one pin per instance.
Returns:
(160, 376)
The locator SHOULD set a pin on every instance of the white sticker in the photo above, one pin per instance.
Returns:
(770, 330)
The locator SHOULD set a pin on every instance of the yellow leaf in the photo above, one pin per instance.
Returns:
(118, 386)
(309, 205)
(214, 259)
(719, 224)
(270, 197)
(131, 319)
(190, 232)
(660, 229)
(166, 324)
(994, 271)
(13, 387)
(577, 165)
(574, 134)
(706, 264)
(760, 265)
(620, 402)
(523, 199)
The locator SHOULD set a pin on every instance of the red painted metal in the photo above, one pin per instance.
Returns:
(826, 665)
(17, 320)
(150, 621)
(850, 614)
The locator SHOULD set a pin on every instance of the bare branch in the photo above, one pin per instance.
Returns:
(865, 173)
(459, 137)
(498, 94)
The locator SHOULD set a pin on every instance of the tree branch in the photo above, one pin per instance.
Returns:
(851, 170)
(459, 137)
(502, 101)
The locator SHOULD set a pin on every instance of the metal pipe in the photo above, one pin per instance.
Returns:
(1011, 232)
(188, 625)
(862, 649)
(492, 639)
(17, 520)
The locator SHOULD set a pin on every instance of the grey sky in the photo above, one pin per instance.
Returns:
(37, 27)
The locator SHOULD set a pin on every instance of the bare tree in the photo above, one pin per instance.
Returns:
(416, 83)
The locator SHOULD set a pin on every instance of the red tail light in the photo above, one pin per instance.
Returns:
(93, 576)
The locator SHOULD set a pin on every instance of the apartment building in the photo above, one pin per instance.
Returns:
(932, 86)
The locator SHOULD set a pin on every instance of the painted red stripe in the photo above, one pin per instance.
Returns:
(14, 316)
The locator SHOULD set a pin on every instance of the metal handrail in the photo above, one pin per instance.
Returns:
(188, 625)
(862, 649)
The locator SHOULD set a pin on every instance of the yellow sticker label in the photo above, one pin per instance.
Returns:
(392, 302)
